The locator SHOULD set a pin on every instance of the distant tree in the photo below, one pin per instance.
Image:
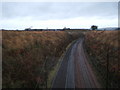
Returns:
(66, 28)
(94, 27)
(27, 29)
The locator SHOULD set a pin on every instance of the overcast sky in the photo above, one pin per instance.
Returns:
(21, 15)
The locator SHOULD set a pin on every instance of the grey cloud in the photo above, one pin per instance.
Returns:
(12, 10)
(58, 10)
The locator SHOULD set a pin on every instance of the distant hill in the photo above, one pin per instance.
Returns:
(110, 28)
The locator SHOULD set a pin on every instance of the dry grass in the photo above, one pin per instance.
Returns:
(29, 56)
(108, 37)
(103, 46)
